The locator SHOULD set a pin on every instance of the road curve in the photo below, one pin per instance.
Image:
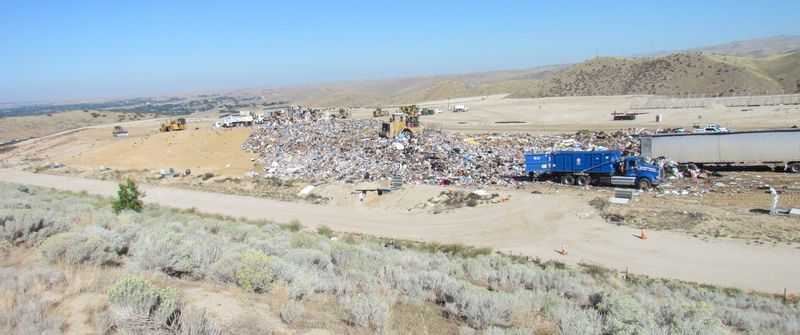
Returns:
(535, 226)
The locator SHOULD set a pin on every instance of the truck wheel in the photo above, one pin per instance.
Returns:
(567, 179)
(794, 167)
(581, 180)
(643, 184)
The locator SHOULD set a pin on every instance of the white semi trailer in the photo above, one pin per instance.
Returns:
(772, 148)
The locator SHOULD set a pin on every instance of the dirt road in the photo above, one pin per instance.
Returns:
(533, 225)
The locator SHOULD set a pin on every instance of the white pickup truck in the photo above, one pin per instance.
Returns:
(712, 128)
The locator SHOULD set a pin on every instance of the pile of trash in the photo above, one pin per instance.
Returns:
(316, 148)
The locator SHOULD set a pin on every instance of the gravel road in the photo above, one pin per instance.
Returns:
(534, 225)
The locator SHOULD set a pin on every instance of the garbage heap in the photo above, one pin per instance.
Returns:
(319, 148)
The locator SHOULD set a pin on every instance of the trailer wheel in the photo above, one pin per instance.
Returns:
(643, 184)
(794, 167)
(567, 179)
(581, 180)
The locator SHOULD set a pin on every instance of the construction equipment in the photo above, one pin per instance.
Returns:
(404, 124)
(600, 167)
(460, 109)
(119, 131)
(173, 125)
(378, 112)
(409, 110)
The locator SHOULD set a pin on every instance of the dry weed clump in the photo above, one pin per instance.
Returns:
(292, 313)
(365, 281)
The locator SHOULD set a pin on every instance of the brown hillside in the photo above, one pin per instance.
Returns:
(676, 74)
(785, 69)
(45, 124)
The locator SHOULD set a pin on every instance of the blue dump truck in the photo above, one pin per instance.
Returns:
(596, 167)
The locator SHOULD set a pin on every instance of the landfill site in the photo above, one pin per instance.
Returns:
(487, 171)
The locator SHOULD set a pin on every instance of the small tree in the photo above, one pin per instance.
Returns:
(128, 197)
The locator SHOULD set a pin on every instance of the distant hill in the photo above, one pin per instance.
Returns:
(758, 47)
(406, 90)
(675, 74)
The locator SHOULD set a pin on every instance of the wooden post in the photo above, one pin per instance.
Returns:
(626, 279)
(784, 296)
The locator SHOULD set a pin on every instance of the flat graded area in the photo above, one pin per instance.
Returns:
(533, 224)
(570, 114)
(199, 150)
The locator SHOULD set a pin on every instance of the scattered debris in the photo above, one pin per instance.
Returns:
(305, 191)
(314, 147)
(622, 196)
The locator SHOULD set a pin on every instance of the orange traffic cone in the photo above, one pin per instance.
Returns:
(644, 235)
(563, 249)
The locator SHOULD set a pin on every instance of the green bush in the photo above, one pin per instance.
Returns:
(128, 197)
(75, 248)
(253, 275)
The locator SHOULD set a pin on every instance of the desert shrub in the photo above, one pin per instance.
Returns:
(294, 226)
(224, 270)
(309, 258)
(481, 309)
(128, 197)
(325, 230)
(24, 309)
(31, 226)
(623, 315)
(253, 272)
(573, 320)
(29, 315)
(368, 311)
(206, 176)
(138, 302)
(164, 251)
(75, 248)
(503, 331)
(193, 321)
(688, 319)
(441, 287)
(291, 313)
(303, 285)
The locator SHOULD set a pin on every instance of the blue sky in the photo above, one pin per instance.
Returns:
(85, 49)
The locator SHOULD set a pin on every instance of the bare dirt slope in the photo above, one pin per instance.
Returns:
(533, 225)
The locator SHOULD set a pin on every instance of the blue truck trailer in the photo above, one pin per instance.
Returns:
(596, 167)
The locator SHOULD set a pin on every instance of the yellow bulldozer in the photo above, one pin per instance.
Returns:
(378, 112)
(404, 124)
(173, 125)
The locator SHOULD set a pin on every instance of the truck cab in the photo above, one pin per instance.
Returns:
(646, 175)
